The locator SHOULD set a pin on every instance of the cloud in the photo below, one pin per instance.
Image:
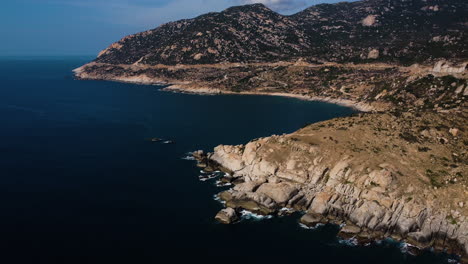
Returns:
(279, 5)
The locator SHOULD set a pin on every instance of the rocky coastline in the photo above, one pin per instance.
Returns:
(398, 170)
(374, 190)
(365, 87)
(361, 185)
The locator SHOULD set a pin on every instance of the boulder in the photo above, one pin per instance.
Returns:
(311, 219)
(250, 205)
(199, 154)
(279, 192)
(319, 204)
(350, 229)
(227, 216)
(250, 186)
(369, 20)
(454, 131)
(373, 54)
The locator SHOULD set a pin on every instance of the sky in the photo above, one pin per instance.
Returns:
(84, 27)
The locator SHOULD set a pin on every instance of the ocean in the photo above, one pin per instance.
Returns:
(81, 181)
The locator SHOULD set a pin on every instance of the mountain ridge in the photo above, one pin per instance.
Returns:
(342, 32)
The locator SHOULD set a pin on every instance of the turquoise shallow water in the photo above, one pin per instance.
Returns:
(81, 183)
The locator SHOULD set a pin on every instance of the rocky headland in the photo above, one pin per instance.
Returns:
(396, 170)
(399, 175)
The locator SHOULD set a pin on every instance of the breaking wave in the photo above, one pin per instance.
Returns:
(247, 215)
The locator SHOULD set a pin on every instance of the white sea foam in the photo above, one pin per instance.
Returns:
(404, 247)
(286, 210)
(216, 198)
(206, 177)
(247, 215)
(311, 227)
(349, 242)
(223, 184)
(188, 158)
(307, 227)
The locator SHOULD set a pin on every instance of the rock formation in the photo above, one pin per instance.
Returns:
(411, 185)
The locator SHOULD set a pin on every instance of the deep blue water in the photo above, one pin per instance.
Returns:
(81, 183)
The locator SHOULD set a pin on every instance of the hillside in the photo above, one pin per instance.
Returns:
(413, 31)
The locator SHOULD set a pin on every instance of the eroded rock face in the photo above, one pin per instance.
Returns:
(378, 188)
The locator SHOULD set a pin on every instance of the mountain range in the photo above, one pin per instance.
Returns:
(401, 31)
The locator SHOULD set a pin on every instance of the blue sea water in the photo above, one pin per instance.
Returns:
(81, 183)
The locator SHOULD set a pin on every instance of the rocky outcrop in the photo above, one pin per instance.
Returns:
(280, 192)
(445, 67)
(227, 216)
(340, 171)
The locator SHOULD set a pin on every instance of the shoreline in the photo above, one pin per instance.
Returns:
(192, 88)
(230, 199)
(362, 107)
